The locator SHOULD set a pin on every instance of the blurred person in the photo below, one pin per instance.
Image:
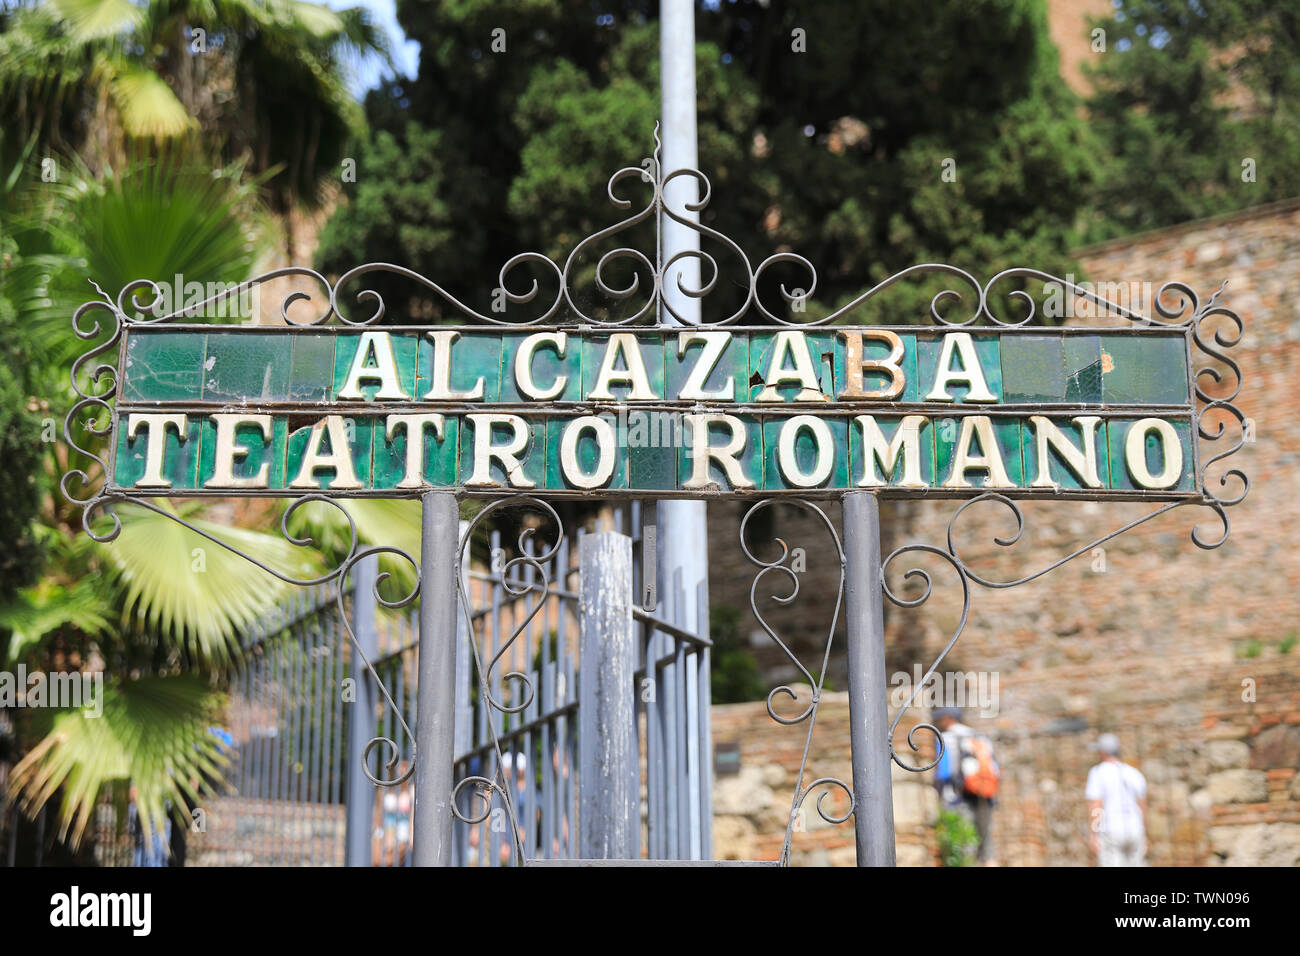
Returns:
(393, 808)
(153, 850)
(967, 777)
(514, 773)
(1117, 808)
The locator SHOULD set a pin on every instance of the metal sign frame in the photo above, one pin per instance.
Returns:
(1219, 429)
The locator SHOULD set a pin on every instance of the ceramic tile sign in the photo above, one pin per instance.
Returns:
(656, 412)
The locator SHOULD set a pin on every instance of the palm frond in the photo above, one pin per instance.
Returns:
(317, 19)
(87, 20)
(152, 220)
(194, 593)
(48, 606)
(152, 731)
(148, 106)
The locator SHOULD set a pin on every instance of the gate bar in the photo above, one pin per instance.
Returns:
(873, 817)
(435, 709)
(361, 717)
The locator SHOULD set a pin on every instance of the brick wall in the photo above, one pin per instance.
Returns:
(1190, 656)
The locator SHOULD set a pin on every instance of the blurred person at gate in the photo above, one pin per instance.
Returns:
(147, 849)
(1117, 808)
(391, 842)
(967, 777)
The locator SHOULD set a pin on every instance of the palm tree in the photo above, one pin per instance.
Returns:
(161, 627)
(258, 81)
(163, 630)
(259, 85)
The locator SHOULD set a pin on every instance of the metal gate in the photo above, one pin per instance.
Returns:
(562, 699)
(287, 726)
(304, 713)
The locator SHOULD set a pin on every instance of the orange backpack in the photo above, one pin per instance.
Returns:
(980, 772)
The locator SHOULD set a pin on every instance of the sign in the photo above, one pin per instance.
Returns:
(657, 412)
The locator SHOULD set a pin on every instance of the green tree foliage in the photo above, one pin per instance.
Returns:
(1197, 108)
(20, 457)
(958, 839)
(733, 675)
(261, 81)
(825, 128)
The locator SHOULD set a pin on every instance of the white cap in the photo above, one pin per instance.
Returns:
(1107, 744)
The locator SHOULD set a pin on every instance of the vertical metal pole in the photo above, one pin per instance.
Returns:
(464, 712)
(435, 708)
(608, 776)
(682, 525)
(680, 150)
(361, 725)
(868, 709)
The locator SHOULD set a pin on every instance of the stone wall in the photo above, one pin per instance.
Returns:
(751, 808)
(1190, 656)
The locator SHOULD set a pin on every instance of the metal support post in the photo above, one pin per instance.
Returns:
(361, 722)
(868, 693)
(682, 525)
(436, 701)
(609, 823)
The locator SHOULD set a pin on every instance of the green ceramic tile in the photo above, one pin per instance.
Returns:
(180, 457)
(474, 355)
(889, 425)
(345, 354)
(1083, 369)
(651, 350)
(878, 350)
(1058, 470)
(359, 432)
(653, 443)
(1144, 369)
(1153, 447)
(163, 366)
(250, 436)
(929, 347)
(440, 458)
(1033, 368)
(532, 457)
(1006, 432)
(546, 368)
(246, 367)
(732, 365)
(311, 371)
(588, 454)
(750, 456)
(821, 351)
(836, 452)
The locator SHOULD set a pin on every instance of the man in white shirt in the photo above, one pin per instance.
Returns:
(1117, 808)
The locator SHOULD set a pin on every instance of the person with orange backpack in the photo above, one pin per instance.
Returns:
(967, 776)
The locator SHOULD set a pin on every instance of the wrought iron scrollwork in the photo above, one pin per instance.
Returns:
(1214, 330)
(952, 556)
(518, 586)
(95, 388)
(779, 567)
(1176, 305)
